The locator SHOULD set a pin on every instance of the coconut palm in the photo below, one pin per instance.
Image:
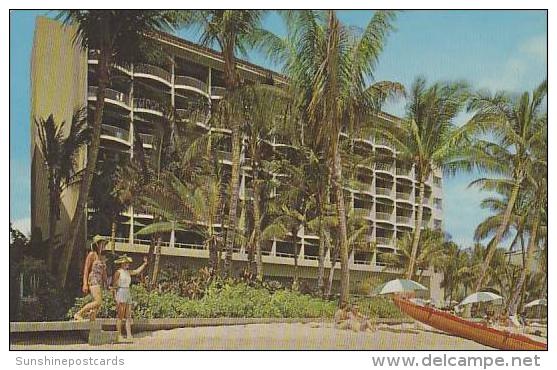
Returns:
(537, 189)
(60, 149)
(455, 268)
(428, 138)
(518, 126)
(233, 31)
(330, 67)
(431, 251)
(182, 207)
(119, 35)
(264, 107)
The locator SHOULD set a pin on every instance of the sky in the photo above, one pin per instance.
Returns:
(492, 50)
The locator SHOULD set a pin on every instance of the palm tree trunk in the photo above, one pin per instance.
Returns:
(321, 265)
(498, 235)
(234, 195)
(332, 272)
(92, 154)
(257, 223)
(417, 229)
(52, 218)
(294, 242)
(341, 209)
(156, 266)
(515, 297)
(113, 236)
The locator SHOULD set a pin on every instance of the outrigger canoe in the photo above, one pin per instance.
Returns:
(477, 332)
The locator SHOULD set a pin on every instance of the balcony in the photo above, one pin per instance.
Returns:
(192, 115)
(224, 155)
(152, 71)
(187, 81)
(383, 191)
(115, 132)
(384, 241)
(406, 220)
(217, 91)
(147, 139)
(109, 94)
(403, 195)
(383, 166)
(437, 181)
(148, 105)
(383, 216)
(402, 171)
(382, 142)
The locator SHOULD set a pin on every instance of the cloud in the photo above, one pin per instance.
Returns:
(23, 225)
(536, 47)
(523, 70)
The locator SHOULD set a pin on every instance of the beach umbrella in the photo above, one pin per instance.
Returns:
(398, 286)
(481, 297)
(537, 302)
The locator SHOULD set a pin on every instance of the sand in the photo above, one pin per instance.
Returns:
(292, 336)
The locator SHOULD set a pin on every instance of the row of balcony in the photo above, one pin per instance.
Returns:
(162, 75)
(141, 245)
(120, 134)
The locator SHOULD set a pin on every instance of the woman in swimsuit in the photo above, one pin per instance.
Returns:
(94, 278)
(121, 290)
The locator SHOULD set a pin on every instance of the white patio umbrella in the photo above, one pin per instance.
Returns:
(537, 302)
(481, 297)
(398, 286)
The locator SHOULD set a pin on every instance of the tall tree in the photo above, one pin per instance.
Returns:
(537, 191)
(429, 139)
(518, 125)
(330, 68)
(60, 152)
(233, 31)
(122, 37)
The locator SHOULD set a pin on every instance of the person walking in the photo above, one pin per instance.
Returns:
(121, 290)
(94, 278)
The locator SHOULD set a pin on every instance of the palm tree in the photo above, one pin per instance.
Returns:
(264, 107)
(455, 269)
(120, 37)
(519, 126)
(431, 251)
(329, 68)
(233, 31)
(60, 150)
(429, 138)
(181, 208)
(537, 189)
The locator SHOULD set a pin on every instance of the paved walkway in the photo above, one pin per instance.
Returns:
(294, 336)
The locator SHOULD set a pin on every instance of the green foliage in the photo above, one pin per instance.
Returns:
(220, 300)
(375, 307)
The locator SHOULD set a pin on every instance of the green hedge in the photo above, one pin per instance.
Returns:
(237, 300)
(229, 300)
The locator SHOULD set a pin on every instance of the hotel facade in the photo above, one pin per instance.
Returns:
(190, 79)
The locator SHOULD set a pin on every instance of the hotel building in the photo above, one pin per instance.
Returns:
(64, 78)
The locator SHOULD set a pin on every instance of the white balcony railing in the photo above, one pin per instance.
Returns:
(383, 216)
(147, 139)
(153, 71)
(383, 191)
(143, 103)
(116, 132)
(404, 196)
(383, 240)
(191, 82)
(217, 91)
(383, 166)
(401, 171)
(109, 94)
(404, 220)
